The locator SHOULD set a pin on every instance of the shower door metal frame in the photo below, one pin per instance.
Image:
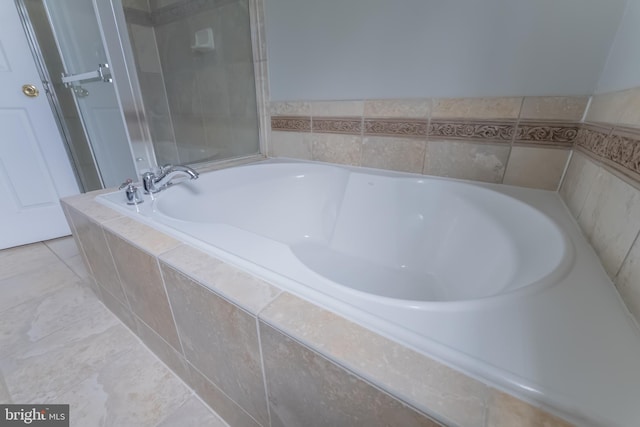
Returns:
(118, 48)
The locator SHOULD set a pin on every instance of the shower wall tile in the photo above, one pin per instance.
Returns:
(398, 154)
(290, 108)
(291, 144)
(336, 148)
(245, 133)
(577, 182)
(235, 40)
(536, 167)
(143, 286)
(476, 108)
(220, 340)
(567, 108)
(611, 219)
(242, 98)
(464, 160)
(631, 112)
(337, 108)
(607, 107)
(298, 377)
(398, 108)
(145, 48)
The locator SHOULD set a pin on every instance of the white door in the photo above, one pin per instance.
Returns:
(79, 41)
(34, 168)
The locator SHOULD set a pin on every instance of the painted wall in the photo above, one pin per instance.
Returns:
(362, 49)
(622, 69)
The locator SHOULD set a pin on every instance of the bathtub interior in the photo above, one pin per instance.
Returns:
(418, 239)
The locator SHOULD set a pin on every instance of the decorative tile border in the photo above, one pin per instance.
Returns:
(343, 125)
(472, 130)
(291, 124)
(617, 147)
(547, 133)
(396, 127)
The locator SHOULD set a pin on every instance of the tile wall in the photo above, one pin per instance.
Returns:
(200, 106)
(260, 356)
(602, 187)
(522, 141)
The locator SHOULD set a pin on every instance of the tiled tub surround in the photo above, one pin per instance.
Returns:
(272, 357)
(522, 141)
(602, 188)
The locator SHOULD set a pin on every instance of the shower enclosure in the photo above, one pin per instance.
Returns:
(136, 83)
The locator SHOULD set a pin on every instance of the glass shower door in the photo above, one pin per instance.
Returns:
(80, 44)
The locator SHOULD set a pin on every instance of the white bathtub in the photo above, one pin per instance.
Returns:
(496, 281)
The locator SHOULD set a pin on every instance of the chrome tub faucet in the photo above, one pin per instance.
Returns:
(153, 183)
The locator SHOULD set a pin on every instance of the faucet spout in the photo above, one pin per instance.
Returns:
(153, 183)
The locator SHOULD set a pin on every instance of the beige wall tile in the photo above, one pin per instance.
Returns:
(163, 350)
(398, 154)
(476, 108)
(427, 385)
(141, 235)
(507, 411)
(229, 410)
(577, 182)
(336, 148)
(121, 310)
(247, 291)
(536, 167)
(88, 206)
(611, 219)
(606, 107)
(290, 108)
(142, 283)
(628, 280)
(305, 389)
(569, 108)
(465, 160)
(220, 340)
(337, 108)
(95, 246)
(296, 145)
(631, 111)
(400, 108)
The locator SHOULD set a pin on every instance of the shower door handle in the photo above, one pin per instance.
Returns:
(101, 74)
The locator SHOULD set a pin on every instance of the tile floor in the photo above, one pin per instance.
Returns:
(59, 344)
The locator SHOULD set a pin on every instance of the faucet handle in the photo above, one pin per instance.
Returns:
(133, 196)
(125, 184)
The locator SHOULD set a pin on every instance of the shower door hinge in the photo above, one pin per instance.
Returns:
(101, 74)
